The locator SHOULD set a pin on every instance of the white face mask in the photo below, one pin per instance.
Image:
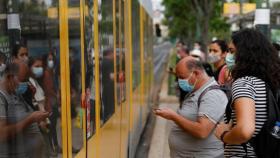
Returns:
(50, 64)
(2, 67)
(213, 58)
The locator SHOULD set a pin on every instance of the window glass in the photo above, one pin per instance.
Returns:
(75, 74)
(136, 44)
(29, 38)
(89, 68)
(106, 41)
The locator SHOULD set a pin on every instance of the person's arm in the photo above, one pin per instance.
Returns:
(200, 129)
(245, 123)
(10, 130)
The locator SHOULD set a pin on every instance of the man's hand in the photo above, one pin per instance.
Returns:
(165, 113)
(38, 116)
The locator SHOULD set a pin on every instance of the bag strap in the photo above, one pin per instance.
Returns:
(5, 102)
(205, 91)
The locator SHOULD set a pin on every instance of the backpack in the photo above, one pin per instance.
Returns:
(264, 144)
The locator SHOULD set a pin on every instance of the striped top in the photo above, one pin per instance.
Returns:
(254, 88)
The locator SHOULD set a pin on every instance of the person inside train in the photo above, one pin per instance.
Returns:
(193, 124)
(217, 53)
(20, 136)
(51, 100)
(20, 52)
(36, 75)
(108, 94)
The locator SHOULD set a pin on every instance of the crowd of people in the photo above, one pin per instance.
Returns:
(223, 112)
(28, 105)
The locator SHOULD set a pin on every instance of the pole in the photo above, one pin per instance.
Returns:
(262, 17)
(241, 14)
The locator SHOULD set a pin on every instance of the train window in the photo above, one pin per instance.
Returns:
(29, 34)
(120, 48)
(75, 75)
(89, 68)
(136, 44)
(106, 41)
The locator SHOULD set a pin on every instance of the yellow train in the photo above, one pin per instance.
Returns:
(102, 74)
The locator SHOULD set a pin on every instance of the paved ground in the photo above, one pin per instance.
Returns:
(159, 143)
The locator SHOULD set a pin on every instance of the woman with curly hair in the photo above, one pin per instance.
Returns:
(256, 65)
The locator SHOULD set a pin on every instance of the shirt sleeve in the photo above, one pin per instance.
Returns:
(213, 105)
(243, 87)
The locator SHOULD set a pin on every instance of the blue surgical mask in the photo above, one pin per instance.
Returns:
(185, 85)
(230, 61)
(37, 71)
(22, 88)
(50, 64)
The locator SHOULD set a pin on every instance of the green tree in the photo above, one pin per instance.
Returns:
(195, 20)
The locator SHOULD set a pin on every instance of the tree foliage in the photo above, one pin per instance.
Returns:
(195, 20)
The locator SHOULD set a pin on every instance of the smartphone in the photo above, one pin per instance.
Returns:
(154, 109)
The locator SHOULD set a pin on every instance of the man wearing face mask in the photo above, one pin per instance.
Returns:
(20, 136)
(20, 52)
(192, 131)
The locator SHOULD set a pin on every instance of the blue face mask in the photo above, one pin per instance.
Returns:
(230, 61)
(37, 71)
(185, 85)
(22, 88)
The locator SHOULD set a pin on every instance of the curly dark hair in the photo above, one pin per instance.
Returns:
(255, 56)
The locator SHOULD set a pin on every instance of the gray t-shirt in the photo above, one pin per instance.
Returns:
(212, 106)
(17, 110)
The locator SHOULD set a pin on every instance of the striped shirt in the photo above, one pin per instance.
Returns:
(254, 88)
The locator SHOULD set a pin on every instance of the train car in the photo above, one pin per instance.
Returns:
(97, 57)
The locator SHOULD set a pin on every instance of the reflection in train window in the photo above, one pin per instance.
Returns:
(29, 34)
(106, 41)
(75, 75)
(89, 68)
(136, 44)
(120, 51)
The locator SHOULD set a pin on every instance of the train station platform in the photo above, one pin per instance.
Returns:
(157, 139)
(159, 143)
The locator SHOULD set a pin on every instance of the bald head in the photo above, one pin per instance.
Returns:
(23, 73)
(187, 65)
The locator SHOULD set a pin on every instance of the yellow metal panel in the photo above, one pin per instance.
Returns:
(234, 8)
(63, 27)
(142, 53)
(82, 22)
(96, 71)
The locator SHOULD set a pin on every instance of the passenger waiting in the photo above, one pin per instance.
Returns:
(255, 65)
(192, 131)
(20, 52)
(217, 54)
(20, 136)
(51, 100)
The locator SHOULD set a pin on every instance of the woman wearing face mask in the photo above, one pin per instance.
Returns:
(255, 65)
(51, 100)
(217, 54)
(36, 75)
